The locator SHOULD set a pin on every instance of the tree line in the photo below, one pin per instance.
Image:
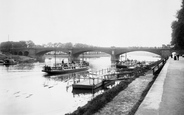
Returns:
(178, 29)
(8, 45)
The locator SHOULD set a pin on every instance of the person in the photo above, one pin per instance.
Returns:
(175, 57)
(63, 61)
(178, 56)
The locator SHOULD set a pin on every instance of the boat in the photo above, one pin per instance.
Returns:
(65, 68)
(9, 61)
(1, 62)
(121, 66)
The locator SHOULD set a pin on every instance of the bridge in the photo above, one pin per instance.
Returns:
(74, 53)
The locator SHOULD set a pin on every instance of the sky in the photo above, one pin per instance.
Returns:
(105, 23)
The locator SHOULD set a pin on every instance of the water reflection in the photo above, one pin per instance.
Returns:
(19, 67)
(67, 77)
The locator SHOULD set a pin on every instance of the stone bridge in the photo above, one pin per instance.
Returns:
(74, 53)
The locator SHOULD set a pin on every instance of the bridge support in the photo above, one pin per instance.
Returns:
(73, 58)
(166, 53)
(40, 58)
(114, 58)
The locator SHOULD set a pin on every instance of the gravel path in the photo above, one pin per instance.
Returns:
(126, 99)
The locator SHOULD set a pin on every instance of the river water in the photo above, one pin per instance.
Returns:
(25, 90)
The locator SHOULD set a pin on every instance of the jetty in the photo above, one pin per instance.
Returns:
(102, 78)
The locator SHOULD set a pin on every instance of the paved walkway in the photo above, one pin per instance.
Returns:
(166, 96)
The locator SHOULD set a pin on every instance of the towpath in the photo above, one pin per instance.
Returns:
(166, 96)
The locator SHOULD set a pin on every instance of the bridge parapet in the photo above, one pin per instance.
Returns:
(75, 52)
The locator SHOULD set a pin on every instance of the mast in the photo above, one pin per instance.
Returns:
(83, 57)
(125, 56)
(55, 57)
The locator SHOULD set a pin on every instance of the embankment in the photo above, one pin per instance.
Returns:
(20, 59)
(99, 104)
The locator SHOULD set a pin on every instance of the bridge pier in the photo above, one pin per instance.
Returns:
(40, 58)
(114, 58)
(166, 53)
(73, 57)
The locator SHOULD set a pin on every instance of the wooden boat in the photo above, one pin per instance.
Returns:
(64, 68)
(92, 84)
(95, 82)
(121, 66)
(60, 70)
(9, 61)
(125, 64)
(1, 62)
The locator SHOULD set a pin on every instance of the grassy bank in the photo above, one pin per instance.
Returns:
(20, 59)
(144, 93)
(101, 100)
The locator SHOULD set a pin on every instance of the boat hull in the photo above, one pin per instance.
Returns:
(121, 66)
(92, 86)
(64, 71)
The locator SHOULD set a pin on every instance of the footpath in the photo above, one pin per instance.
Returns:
(166, 96)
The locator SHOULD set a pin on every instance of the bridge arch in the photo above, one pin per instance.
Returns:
(41, 53)
(76, 54)
(138, 53)
(154, 51)
(15, 53)
(26, 53)
(158, 52)
(20, 53)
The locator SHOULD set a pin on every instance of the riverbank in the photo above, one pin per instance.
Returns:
(121, 99)
(19, 59)
(128, 100)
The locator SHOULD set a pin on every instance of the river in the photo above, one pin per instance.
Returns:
(25, 90)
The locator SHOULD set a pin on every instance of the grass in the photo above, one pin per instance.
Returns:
(20, 59)
(144, 93)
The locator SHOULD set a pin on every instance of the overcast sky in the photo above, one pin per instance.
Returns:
(94, 22)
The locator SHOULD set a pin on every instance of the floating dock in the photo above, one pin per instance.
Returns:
(92, 84)
(96, 81)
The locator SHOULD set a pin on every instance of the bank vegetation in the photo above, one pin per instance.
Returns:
(101, 100)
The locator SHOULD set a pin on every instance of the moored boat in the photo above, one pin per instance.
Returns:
(1, 62)
(58, 70)
(9, 61)
(64, 68)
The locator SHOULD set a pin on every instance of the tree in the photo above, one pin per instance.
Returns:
(68, 45)
(178, 29)
(6, 46)
(30, 44)
(23, 44)
(50, 44)
(61, 45)
(80, 45)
